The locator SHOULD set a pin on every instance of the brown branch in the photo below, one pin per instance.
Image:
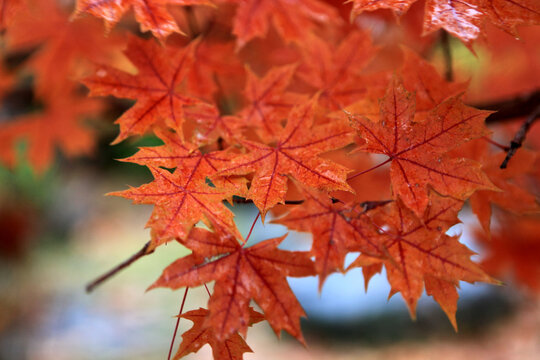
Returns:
(508, 109)
(241, 200)
(447, 56)
(520, 136)
(139, 254)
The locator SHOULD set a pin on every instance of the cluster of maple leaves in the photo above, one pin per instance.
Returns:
(286, 102)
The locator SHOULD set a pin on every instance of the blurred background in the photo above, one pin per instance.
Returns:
(59, 232)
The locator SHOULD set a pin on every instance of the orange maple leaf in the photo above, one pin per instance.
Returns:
(241, 273)
(291, 18)
(336, 71)
(296, 153)
(210, 125)
(417, 146)
(59, 125)
(268, 102)
(513, 196)
(422, 79)
(181, 199)
(60, 49)
(195, 338)
(191, 163)
(464, 19)
(417, 251)
(155, 86)
(8, 10)
(152, 15)
(514, 249)
(334, 234)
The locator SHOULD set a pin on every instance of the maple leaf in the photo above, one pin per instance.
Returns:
(181, 199)
(231, 348)
(219, 70)
(290, 18)
(152, 15)
(422, 79)
(513, 195)
(296, 153)
(268, 102)
(514, 249)
(416, 249)
(334, 234)
(336, 71)
(241, 273)
(190, 163)
(464, 19)
(59, 125)
(155, 86)
(61, 49)
(417, 146)
(210, 125)
(8, 11)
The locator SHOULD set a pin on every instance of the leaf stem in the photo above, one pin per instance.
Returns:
(177, 323)
(139, 254)
(208, 291)
(252, 226)
(368, 170)
(493, 142)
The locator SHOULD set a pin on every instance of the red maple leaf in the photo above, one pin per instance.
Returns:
(190, 162)
(181, 199)
(417, 146)
(161, 71)
(295, 154)
(334, 234)
(268, 102)
(417, 250)
(195, 338)
(512, 194)
(335, 71)
(464, 19)
(514, 249)
(210, 125)
(8, 10)
(63, 49)
(291, 18)
(241, 273)
(422, 79)
(59, 125)
(152, 15)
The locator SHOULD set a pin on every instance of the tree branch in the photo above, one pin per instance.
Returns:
(508, 109)
(520, 136)
(241, 200)
(447, 55)
(139, 254)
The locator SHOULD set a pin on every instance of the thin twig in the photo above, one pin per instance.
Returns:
(520, 136)
(177, 322)
(447, 55)
(241, 200)
(139, 254)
